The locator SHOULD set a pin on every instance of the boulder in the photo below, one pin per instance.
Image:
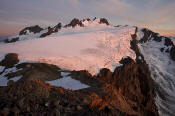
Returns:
(10, 60)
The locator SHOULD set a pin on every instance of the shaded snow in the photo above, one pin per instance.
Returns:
(81, 48)
(68, 83)
(3, 78)
(163, 73)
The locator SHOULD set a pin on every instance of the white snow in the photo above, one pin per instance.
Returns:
(80, 48)
(68, 83)
(162, 71)
(3, 78)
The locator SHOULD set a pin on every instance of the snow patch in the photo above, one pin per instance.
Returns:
(3, 78)
(67, 82)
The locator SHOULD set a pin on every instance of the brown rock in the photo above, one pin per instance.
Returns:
(4, 112)
(10, 60)
(104, 21)
(79, 107)
(74, 23)
(10, 82)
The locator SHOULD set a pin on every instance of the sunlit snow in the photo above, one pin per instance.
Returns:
(81, 48)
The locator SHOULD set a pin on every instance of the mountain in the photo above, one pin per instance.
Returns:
(87, 67)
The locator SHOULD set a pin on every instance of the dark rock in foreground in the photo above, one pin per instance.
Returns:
(10, 60)
(172, 53)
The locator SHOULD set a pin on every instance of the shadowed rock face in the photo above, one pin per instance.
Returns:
(34, 29)
(133, 81)
(104, 21)
(10, 60)
(148, 35)
(74, 23)
(12, 40)
(172, 53)
(52, 30)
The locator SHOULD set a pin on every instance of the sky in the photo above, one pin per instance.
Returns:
(158, 15)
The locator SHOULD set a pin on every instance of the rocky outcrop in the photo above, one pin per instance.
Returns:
(36, 71)
(104, 21)
(172, 53)
(75, 22)
(168, 42)
(149, 35)
(58, 26)
(52, 30)
(10, 60)
(11, 40)
(133, 81)
(33, 29)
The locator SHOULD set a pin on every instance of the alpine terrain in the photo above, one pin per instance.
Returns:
(87, 68)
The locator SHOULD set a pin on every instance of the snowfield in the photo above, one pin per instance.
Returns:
(81, 48)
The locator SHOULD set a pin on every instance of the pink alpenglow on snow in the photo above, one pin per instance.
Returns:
(89, 48)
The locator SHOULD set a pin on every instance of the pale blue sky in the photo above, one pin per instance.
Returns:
(158, 15)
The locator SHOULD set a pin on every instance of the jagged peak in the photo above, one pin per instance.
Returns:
(86, 22)
(33, 29)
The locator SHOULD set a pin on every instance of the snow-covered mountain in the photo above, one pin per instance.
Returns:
(93, 45)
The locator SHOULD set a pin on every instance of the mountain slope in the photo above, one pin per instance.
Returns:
(159, 54)
(125, 52)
